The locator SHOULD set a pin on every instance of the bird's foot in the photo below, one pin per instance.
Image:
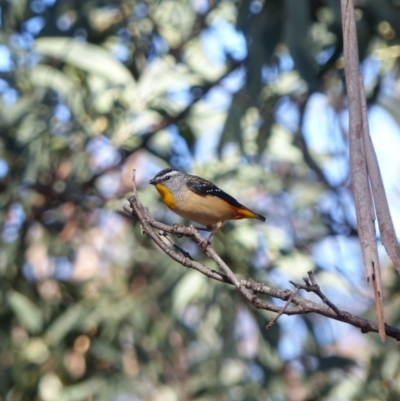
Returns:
(175, 228)
(204, 244)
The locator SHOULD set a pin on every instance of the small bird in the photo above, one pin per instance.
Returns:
(199, 200)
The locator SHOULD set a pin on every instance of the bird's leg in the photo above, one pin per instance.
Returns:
(203, 244)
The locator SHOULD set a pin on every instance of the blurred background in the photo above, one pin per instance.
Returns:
(249, 95)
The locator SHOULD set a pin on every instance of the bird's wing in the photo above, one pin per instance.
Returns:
(203, 187)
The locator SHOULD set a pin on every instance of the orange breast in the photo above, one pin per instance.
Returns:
(166, 195)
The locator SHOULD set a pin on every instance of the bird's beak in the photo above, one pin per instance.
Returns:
(152, 182)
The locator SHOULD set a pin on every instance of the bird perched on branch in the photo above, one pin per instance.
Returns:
(199, 200)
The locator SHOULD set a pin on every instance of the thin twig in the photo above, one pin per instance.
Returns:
(312, 286)
(280, 313)
(173, 243)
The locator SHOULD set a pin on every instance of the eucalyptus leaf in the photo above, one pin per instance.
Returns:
(64, 324)
(27, 313)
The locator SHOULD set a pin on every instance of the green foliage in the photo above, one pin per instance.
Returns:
(90, 309)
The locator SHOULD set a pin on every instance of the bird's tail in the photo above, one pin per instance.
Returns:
(259, 217)
(244, 213)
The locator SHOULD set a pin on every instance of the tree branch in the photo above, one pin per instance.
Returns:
(247, 287)
(385, 222)
(361, 190)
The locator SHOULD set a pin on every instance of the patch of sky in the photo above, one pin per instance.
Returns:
(207, 143)
(14, 220)
(324, 331)
(141, 10)
(3, 168)
(255, 373)
(6, 62)
(286, 62)
(287, 114)
(63, 267)
(10, 96)
(59, 267)
(102, 152)
(124, 34)
(346, 198)
(38, 6)
(340, 207)
(120, 52)
(385, 136)
(342, 255)
(246, 331)
(323, 133)
(222, 38)
(22, 41)
(34, 25)
(200, 6)
(109, 184)
(260, 258)
(160, 45)
(64, 22)
(9, 234)
(28, 272)
(180, 95)
(324, 55)
(218, 99)
(31, 59)
(112, 221)
(235, 80)
(62, 113)
(269, 73)
(181, 157)
(256, 6)
(291, 342)
(370, 69)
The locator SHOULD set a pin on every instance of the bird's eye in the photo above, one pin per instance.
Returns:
(167, 178)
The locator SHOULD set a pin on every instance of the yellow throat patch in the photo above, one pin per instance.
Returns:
(166, 195)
